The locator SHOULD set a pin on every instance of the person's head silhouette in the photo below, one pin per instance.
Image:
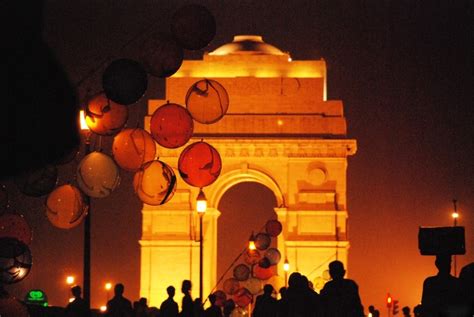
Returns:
(212, 299)
(171, 291)
(336, 270)
(118, 289)
(443, 263)
(293, 280)
(186, 286)
(268, 289)
(283, 292)
(76, 291)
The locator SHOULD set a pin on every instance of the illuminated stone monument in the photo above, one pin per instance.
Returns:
(280, 131)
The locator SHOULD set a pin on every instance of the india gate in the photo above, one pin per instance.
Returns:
(280, 131)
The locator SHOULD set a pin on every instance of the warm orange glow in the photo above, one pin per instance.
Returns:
(280, 122)
(70, 280)
(103, 308)
(286, 265)
(252, 242)
(71, 299)
(201, 202)
(455, 215)
(108, 286)
(82, 121)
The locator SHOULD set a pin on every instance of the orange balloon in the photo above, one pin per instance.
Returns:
(242, 297)
(132, 148)
(155, 183)
(273, 227)
(264, 273)
(105, 117)
(65, 207)
(207, 101)
(199, 164)
(171, 125)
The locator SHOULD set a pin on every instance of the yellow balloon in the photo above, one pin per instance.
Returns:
(65, 207)
(254, 285)
(155, 183)
(132, 148)
(97, 175)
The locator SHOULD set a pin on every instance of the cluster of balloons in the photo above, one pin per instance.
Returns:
(259, 268)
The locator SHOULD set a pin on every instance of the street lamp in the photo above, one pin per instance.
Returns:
(252, 246)
(201, 206)
(286, 268)
(108, 287)
(455, 216)
(70, 280)
(87, 221)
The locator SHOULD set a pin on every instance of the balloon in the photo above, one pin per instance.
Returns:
(12, 307)
(97, 175)
(264, 263)
(171, 125)
(319, 283)
(264, 273)
(207, 101)
(199, 164)
(241, 272)
(105, 117)
(132, 148)
(273, 255)
(161, 55)
(221, 297)
(39, 182)
(231, 285)
(65, 207)
(155, 183)
(252, 257)
(273, 228)
(254, 285)
(15, 260)
(242, 297)
(124, 81)
(193, 26)
(326, 276)
(262, 241)
(15, 226)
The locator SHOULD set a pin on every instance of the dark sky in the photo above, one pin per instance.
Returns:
(404, 72)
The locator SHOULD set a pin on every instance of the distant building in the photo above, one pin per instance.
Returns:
(280, 131)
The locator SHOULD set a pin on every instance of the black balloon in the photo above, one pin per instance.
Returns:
(193, 26)
(39, 182)
(124, 81)
(15, 260)
(262, 241)
(161, 55)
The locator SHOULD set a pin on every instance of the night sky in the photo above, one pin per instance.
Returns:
(404, 72)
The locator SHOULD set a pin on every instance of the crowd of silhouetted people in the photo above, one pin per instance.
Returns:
(443, 295)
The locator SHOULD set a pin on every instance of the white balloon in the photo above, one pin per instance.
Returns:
(97, 175)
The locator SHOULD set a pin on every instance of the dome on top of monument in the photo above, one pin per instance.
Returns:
(247, 45)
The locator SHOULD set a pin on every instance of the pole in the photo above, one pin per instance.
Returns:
(455, 224)
(87, 244)
(200, 256)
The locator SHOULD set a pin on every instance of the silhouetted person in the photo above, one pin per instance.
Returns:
(39, 120)
(441, 293)
(119, 306)
(373, 311)
(169, 308)
(141, 308)
(406, 311)
(265, 304)
(213, 310)
(187, 305)
(417, 310)
(466, 278)
(229, 307)
(340, 296)
(198, 310)
(300, 299)
(282, 301)
(78, 307)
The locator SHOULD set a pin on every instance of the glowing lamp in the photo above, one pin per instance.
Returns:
(252, 246)
(207, 101)
(15, 260)
(193, 26)
(132, 148)
(171, 125)
(103, 308)
(241, 272)
(108, 286)
(70, 280)
(455, 215)
(65, 207)
(82, 121)
(15, 226)
(199, 164)
(105, 117)
(124, 81)
(201, 202)
(97, 175)
(286, 266)
(231, 285)
(155, 183)
(161, 55)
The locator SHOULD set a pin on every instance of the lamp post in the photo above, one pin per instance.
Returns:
(201, 206)
(87, 221)
(286, 268)
(108, 287)
(455, 216)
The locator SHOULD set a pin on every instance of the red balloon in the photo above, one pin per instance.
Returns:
(15, 226)
(264, 273)
(273, 227)
(242, 297)
(105, 117)
(171, 125)
(199, 164)
(221, 297)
